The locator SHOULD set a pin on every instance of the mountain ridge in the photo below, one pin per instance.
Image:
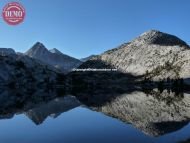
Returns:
(53, 57)
(152, 52)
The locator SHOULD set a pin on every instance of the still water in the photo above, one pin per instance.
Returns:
(130, 118)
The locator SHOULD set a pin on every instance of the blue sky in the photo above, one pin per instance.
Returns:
(83, 27)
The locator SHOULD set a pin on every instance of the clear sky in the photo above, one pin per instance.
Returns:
(80, 28)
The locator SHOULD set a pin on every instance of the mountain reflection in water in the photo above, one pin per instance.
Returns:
(159, 116)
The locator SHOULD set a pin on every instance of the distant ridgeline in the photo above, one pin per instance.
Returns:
(6, 51)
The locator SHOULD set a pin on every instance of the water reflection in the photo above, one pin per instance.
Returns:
(154, 107)
(152, 112)
(152, 115)
(52, 108)
(13, 101)
(36, 105)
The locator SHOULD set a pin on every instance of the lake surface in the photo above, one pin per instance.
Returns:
(79, 125)
(134, 118)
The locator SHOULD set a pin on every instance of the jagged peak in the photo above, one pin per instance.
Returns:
(39, 45)
(159, 38)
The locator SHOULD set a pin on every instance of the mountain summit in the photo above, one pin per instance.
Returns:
(37, 50)
(159, 38)
(53, 57)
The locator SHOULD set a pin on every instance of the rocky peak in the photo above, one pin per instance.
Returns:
(159, 38)
(37, 49)
(53, 57)
(38, 46)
